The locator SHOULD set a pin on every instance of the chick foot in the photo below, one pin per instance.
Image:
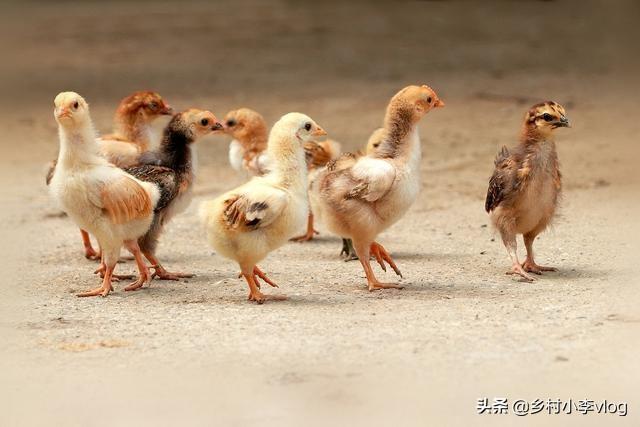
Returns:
(104, 289)
(162, 274)
(381, 256)
(142, 279)
(114, 277)
(310, 231)
(518, 270)
(254, 287)
(89, 252)
(305, 237)
(530, 266)
(348, 251)
(375, 285)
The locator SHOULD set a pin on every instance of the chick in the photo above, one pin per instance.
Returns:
(317, 154)
(361, 197)
(172, 169)
(132, 127)
(247, 223)
(247, 151)
(525, 187)
(373, 143)
(98, 196)
(131, 137)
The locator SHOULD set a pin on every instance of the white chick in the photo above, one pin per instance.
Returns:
(98, 196)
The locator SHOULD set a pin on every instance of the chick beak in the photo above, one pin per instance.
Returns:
(439, 103)
(563, 123)
(64, 112)
(167, 110)
(217, 126)
(319, 132)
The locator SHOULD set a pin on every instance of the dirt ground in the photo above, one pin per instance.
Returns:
(196, 352)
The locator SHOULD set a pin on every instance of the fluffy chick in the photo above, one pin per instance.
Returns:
(132, 127)
(247, 223)
(247, 151)
(525, 187)
(172, 168)
(131, 137)
(373, 143)
(361, 197)
(99, 197)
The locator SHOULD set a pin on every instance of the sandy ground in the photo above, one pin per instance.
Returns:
(197, 353)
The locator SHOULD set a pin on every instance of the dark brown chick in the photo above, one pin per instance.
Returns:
(171, 168)
(525, 187)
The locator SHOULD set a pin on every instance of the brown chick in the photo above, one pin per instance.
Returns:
(361, 197)
(525, 187)
(131, 137)
(247, 151)
(171, 168)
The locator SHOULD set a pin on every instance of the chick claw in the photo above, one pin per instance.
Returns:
(305, 237)
(532, 267)
(90, 253)
(115, 277)
(162, 274)
(103, 291)
(381, 255)
(375, 285)
(518, 270)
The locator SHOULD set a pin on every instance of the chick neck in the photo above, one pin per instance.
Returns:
(78, 146)
(532, 134)
(133, 127)
(287, 160)
(400, 140)
(175, 148)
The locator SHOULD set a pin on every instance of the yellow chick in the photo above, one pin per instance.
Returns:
(98, 196)
(359, 197)
(247, 223)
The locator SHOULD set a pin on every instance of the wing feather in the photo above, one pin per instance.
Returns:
(255, 209)
(125, 200)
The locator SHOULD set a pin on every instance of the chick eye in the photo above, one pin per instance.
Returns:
(153, 105)
(429, 100)
(231, 123)
(204, 122)
(75, 105)
(307, 126)
(547, 117)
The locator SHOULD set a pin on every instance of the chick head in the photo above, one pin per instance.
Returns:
(301, 125)
(417, 100)
(244, 123)
(374, 140)
(197, 123)
(145, 104)
(545, 117)
(70, 109)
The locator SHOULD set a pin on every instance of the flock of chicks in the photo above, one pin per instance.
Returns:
(123, 193)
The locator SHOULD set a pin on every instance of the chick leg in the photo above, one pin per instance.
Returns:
(160, 272)
(260, 274)
(529, 264)
(381, 255)
(144, 274)
(348, 251)
(254, 292)
(509, 240)
(310, 231)
(89, 252)
(106, 282)
(364, 252)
